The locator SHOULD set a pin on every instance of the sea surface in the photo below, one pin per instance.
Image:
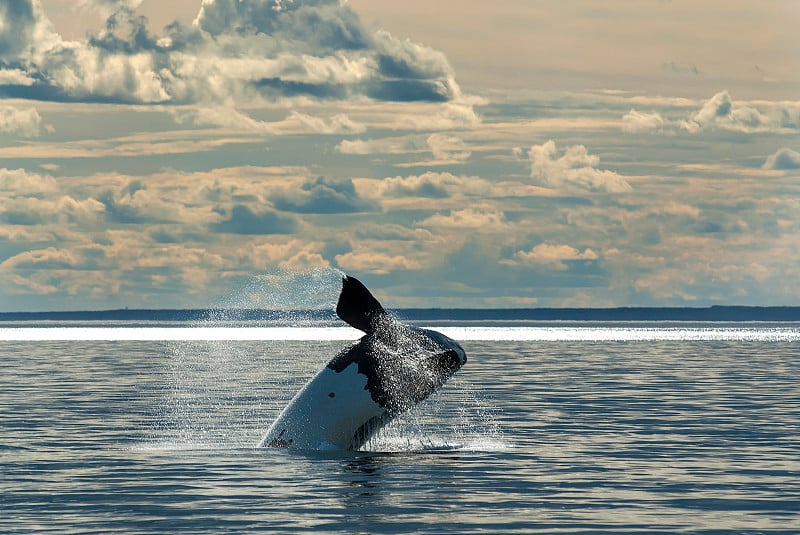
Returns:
(550, 427)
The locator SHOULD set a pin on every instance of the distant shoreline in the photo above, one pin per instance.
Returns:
(712, 313)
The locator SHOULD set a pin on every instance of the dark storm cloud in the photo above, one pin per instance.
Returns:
(242, 220)
(235, 49)
(323, 195)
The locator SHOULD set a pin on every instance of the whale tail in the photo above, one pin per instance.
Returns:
(357, 306)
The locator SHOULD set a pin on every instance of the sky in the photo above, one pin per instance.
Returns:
(518, 153)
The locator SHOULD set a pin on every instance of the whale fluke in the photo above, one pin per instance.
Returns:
(357, 306)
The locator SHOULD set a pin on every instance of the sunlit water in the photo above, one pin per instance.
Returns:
(547, 429)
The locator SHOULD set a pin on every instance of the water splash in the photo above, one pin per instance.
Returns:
(294, 299)
(223, 395)
(458, 417)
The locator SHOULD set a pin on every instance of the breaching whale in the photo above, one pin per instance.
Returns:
(389, 370)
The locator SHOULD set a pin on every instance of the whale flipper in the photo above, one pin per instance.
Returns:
(357, 306)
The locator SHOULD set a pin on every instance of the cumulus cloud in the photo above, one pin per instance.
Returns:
(31, 199)
(720, 112)
(225, 117)
(574, 168)
(389, 145)
(21, 182)
(242, 220)
(338, 124)
(635, 121)
(444, 148)
(448, 149)
(50, 258)
(430, 185)
(23, 26)
(368, 261)
(294, 255)
(136, 203)
(784, 159)
(16, 77)
(322, 195)
(63, 209)
(448, 116)
(235, 49)
(554, 256)
(468, 218)
(22, 122)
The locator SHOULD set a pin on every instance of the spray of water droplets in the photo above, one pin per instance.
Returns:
(224, 394)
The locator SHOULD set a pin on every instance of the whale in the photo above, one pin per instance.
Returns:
(388, 371)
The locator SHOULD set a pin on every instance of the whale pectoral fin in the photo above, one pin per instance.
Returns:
(358, 307)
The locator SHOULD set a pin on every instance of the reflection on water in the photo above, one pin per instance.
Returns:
(571, 436)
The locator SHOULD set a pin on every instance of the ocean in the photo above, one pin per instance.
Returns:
(137, 426)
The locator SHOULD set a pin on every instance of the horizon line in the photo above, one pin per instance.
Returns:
(624, 313)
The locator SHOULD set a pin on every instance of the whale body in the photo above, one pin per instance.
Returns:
(389, 370)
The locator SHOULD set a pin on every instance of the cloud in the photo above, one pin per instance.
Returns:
(25, 123)
(719, 112)
(468, 218)
(392, 232)
(389, 145)
(337, 124)
(784, 159)
(376, 263)
(430, 185)
(23, 25)
(62, 210)
(50, 258)
(136, 203)
(226, 117)
(235, 51)
(448, 149)
(294, 255)
(322, 195)
(242, 220)
(448, 116)
(31, 199)
(634, 122)
(574, 169)
(108, 8)
(21, 182)
(551, 255)
(16, 77)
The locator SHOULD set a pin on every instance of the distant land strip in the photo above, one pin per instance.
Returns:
(712, 313)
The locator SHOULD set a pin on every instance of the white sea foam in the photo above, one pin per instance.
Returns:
(506, 334)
